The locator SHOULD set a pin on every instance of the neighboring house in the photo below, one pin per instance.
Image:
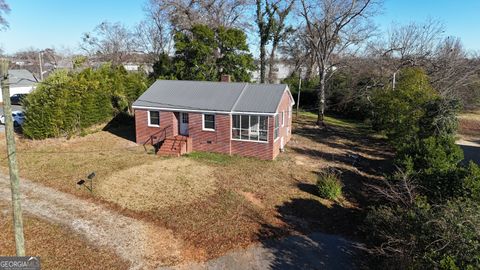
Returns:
(281, 71)
(21, 81)
(232, 118)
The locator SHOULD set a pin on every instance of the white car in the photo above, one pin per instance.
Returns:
(18, 118)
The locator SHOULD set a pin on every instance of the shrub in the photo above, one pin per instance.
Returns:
(308, 95)
(68, 102)
(427, 236)
(397, 112)
(328, 185)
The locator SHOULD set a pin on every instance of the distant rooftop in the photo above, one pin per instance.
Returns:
(21, 78)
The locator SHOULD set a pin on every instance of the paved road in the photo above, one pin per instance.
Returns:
(315, 251)
(471, 150)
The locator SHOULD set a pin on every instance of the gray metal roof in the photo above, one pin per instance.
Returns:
(21, 78)
(212, 96)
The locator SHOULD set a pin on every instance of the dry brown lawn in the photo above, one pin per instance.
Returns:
(215, 203)
(469, 125)
(161, 183)
(58, 247)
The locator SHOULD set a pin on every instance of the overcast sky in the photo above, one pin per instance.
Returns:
(60, 23)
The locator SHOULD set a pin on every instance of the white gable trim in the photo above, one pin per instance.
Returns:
(199, 111)
(289, 94)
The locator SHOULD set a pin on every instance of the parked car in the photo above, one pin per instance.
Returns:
(18, 118)
(17, 99)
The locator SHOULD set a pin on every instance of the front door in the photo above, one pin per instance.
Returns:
(183, 127)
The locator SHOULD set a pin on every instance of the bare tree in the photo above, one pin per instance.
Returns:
(153, 37)
(30, 59)
(453, 72)
(335, 28)
(296, 50)
(109, 41)
(412, 44)
(265, 20)
(4, 9)
(280, 30)
(401, 190)
(183, 14)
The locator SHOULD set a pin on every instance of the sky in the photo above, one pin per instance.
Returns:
(60, 23)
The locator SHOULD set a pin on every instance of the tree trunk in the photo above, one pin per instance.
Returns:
(272, 61)
(262, 61)
(321, 97)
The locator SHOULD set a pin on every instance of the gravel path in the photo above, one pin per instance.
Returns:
(144, 245)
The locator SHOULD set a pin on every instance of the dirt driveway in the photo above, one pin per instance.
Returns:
(144, 245)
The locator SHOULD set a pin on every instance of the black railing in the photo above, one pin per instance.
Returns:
(157, 137)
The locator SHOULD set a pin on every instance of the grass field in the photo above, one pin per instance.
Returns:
(469, 125)
(214, 202)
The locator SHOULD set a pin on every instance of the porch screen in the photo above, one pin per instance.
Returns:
(250, 127)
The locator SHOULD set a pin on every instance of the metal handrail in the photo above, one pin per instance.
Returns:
(163, 133)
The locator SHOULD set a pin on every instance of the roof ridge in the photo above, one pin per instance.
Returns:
(239, 96)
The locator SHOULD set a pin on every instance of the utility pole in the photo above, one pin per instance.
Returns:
(41, 65)
(12, 160)
(394, 81)
(298, 95)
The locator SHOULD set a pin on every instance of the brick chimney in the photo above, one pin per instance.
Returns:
(225, 78)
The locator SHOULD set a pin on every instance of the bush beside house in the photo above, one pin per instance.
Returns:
(428, 214)
(68, 102)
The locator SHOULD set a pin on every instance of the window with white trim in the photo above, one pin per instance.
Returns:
(208, 121)
(250, 127)
(283, 118)
(277, 126)
(154, 118)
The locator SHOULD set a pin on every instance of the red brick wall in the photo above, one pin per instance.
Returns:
(210, 141)
(285, 106)
(143, 131)
(262, 150)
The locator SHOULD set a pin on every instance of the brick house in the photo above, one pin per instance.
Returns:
(244, 119)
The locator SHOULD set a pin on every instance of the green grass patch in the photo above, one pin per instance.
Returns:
(210, 157)
(339, 122)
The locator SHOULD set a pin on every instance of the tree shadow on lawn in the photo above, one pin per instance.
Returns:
(316, 242)
(324, 237)
(328, 237)
(331, 135)
(373, 167)
(123, 126)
